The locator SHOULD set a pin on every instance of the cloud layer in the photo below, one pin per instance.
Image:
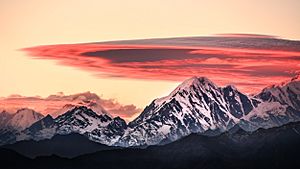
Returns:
(60, 103)
(250, 62)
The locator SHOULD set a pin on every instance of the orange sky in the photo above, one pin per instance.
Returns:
(40, 22)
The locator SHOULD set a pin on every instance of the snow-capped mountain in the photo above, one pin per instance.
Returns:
(24, 118)
(100, 128)
(199, 106)
(280, 105)
(20, 120)
(195, 106)
(287, 93)
(11, 124)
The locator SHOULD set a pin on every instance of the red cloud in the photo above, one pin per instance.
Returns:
(249, 62)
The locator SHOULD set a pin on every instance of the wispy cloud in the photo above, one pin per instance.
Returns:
(248, 61)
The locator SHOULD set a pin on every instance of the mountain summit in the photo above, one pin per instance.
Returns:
(195, 106)
(20, 120)
(80, 119)
(198, 105)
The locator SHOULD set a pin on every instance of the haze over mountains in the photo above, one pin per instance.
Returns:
(195, 106)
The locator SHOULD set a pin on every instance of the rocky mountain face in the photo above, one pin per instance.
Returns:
(236, 148)
(100, 128)
(280, 104)
(199, 106)
(13, 123)
(195, 106)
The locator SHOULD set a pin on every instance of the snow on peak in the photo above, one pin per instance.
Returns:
(81, 120)
(188, 86)
(287, 93)
(75, 110)
(95, 106)
(83, 113)
(195, 81)
(24, 118)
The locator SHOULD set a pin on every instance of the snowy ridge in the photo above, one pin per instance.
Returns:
(280, 105)
(198, 105)
(284, 83)
(80, 120)
(195, 106)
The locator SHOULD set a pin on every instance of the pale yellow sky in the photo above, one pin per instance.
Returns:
(40, 22)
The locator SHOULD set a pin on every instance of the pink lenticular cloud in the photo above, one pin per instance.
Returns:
(249, 62)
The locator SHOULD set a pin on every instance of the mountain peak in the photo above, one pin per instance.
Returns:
(296, 78)
(196, 81)
(191, 85)
(48, 117)
(231, 87)
(25, 117)
(81, 109)
(282, 84)
(4, 112)
(293, 79)
(22, 110)
(27, 112)
(83, 116)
